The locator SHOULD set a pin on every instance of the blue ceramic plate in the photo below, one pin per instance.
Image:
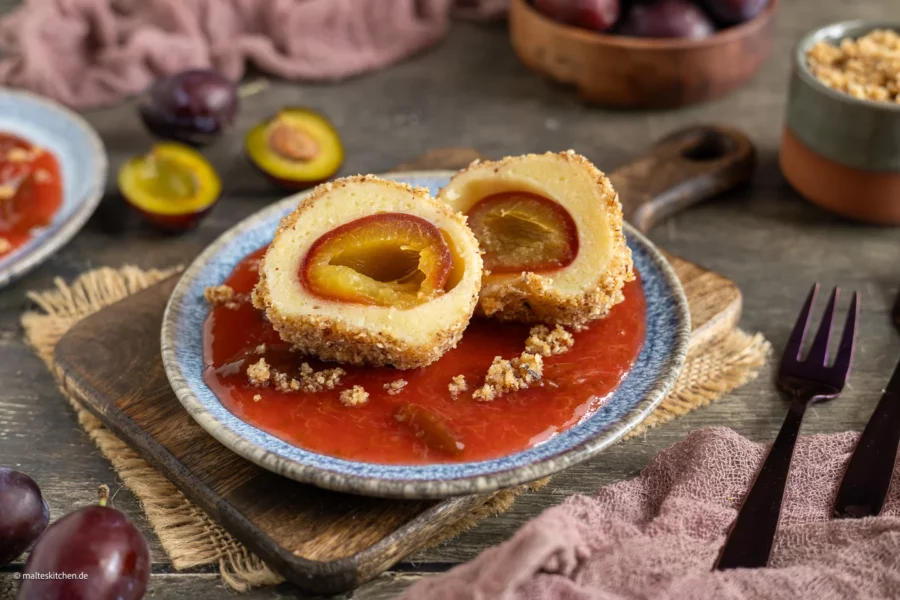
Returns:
(82, 161)
(668, 331)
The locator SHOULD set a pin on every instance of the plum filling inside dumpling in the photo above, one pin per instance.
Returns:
(388, 259)
(520, 231)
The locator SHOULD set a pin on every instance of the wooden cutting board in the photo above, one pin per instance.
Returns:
(323, 541)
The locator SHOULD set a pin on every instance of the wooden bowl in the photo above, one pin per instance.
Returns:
(636, 72)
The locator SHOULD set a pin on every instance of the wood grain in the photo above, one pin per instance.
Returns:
(472, 90)
(321, 540)
(686, 167)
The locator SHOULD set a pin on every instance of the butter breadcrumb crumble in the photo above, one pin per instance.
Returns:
(506, 376)
(257, 397)
(8, 191)
(259, 373)
(5, 245)
(17, 155)
(866, 68)
(221, 295)
(355, 396)
(316, 381)
(541, 340)
(457, 386)
(395, 387)
(519, 373)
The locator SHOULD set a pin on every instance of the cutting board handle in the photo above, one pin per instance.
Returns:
(681, 170)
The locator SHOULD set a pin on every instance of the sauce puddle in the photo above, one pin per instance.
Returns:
(574, 386)
(30, 190)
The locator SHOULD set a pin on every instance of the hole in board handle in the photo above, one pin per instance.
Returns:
(711, 146)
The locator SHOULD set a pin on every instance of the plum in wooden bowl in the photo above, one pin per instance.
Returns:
(644, 54)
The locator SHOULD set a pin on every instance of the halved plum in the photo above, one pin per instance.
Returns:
(299, 148)
(521, 231)
(172, 186)
(386, 259)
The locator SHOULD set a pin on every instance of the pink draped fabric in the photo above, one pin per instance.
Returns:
(658, 535)
(88, 53)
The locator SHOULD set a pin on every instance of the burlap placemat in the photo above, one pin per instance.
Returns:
(190, 537)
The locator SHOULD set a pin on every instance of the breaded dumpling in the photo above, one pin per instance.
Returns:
(550, 227)
(370, 271)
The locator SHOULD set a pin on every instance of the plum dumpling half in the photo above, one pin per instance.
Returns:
(550, 228)
(371, 271)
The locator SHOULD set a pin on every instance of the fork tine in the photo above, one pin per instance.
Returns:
(818, 354)
(848, 340)
(795, 341)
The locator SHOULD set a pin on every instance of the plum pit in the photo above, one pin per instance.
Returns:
(298, 148)
(388, 259)
(521, 231)
(292, 142)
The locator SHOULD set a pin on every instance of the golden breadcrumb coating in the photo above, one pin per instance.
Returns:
(529, 297)
(355, 396)
(395, 387)
(361, 334)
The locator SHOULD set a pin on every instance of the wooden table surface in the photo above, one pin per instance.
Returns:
(472, 91)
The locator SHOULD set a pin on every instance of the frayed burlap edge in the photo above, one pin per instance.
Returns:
(187, 534)
(726, 363)
(191, 538)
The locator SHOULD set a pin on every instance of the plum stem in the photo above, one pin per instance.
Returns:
(253, 87)
(103, 494)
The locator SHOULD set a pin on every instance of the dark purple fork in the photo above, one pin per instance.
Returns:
(749, 542)
(866, 482)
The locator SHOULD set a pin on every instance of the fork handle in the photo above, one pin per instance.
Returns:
(867, 479)
(750, 539)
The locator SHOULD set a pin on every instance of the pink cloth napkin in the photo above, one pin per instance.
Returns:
(658, 535)
(88, 53)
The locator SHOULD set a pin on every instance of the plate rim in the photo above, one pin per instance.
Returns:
(24, 262)
(415, 489)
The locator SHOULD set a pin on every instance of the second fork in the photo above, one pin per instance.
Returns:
(750, 539)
